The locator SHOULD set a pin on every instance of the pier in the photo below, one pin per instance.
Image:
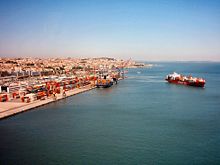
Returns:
(8, 109)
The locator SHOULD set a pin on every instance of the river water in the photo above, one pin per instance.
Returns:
(142, 120)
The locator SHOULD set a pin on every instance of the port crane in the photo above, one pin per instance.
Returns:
(121, 68)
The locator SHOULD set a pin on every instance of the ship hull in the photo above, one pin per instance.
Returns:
(195, 84)
(104, 85)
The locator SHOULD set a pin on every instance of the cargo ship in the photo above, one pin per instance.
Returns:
(176, 78)
(104, 83)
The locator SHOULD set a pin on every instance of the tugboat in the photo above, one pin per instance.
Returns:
(176, 78)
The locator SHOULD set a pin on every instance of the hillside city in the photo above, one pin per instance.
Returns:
(31, 67)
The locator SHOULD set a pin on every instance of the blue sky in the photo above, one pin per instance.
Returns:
(141, 30)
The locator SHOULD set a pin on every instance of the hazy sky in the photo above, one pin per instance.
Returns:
(142, 30)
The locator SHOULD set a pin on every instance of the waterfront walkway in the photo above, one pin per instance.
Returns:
(11, 108)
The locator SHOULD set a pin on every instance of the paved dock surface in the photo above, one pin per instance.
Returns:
(11, 108)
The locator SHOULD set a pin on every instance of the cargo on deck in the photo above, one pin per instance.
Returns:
(176, 78)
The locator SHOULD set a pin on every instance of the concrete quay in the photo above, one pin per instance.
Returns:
(8, 109)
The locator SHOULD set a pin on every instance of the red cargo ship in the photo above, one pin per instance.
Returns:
(185, 80)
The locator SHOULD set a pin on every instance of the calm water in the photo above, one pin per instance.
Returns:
(142, 120)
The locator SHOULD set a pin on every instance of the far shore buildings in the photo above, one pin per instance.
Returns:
(36, 66)
(19, 68)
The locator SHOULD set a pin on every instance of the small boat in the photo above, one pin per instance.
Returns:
(176, 78)
(104, 83)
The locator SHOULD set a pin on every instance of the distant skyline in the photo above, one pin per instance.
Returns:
(178, 30)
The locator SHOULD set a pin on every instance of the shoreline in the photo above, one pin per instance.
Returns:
(23, 107)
